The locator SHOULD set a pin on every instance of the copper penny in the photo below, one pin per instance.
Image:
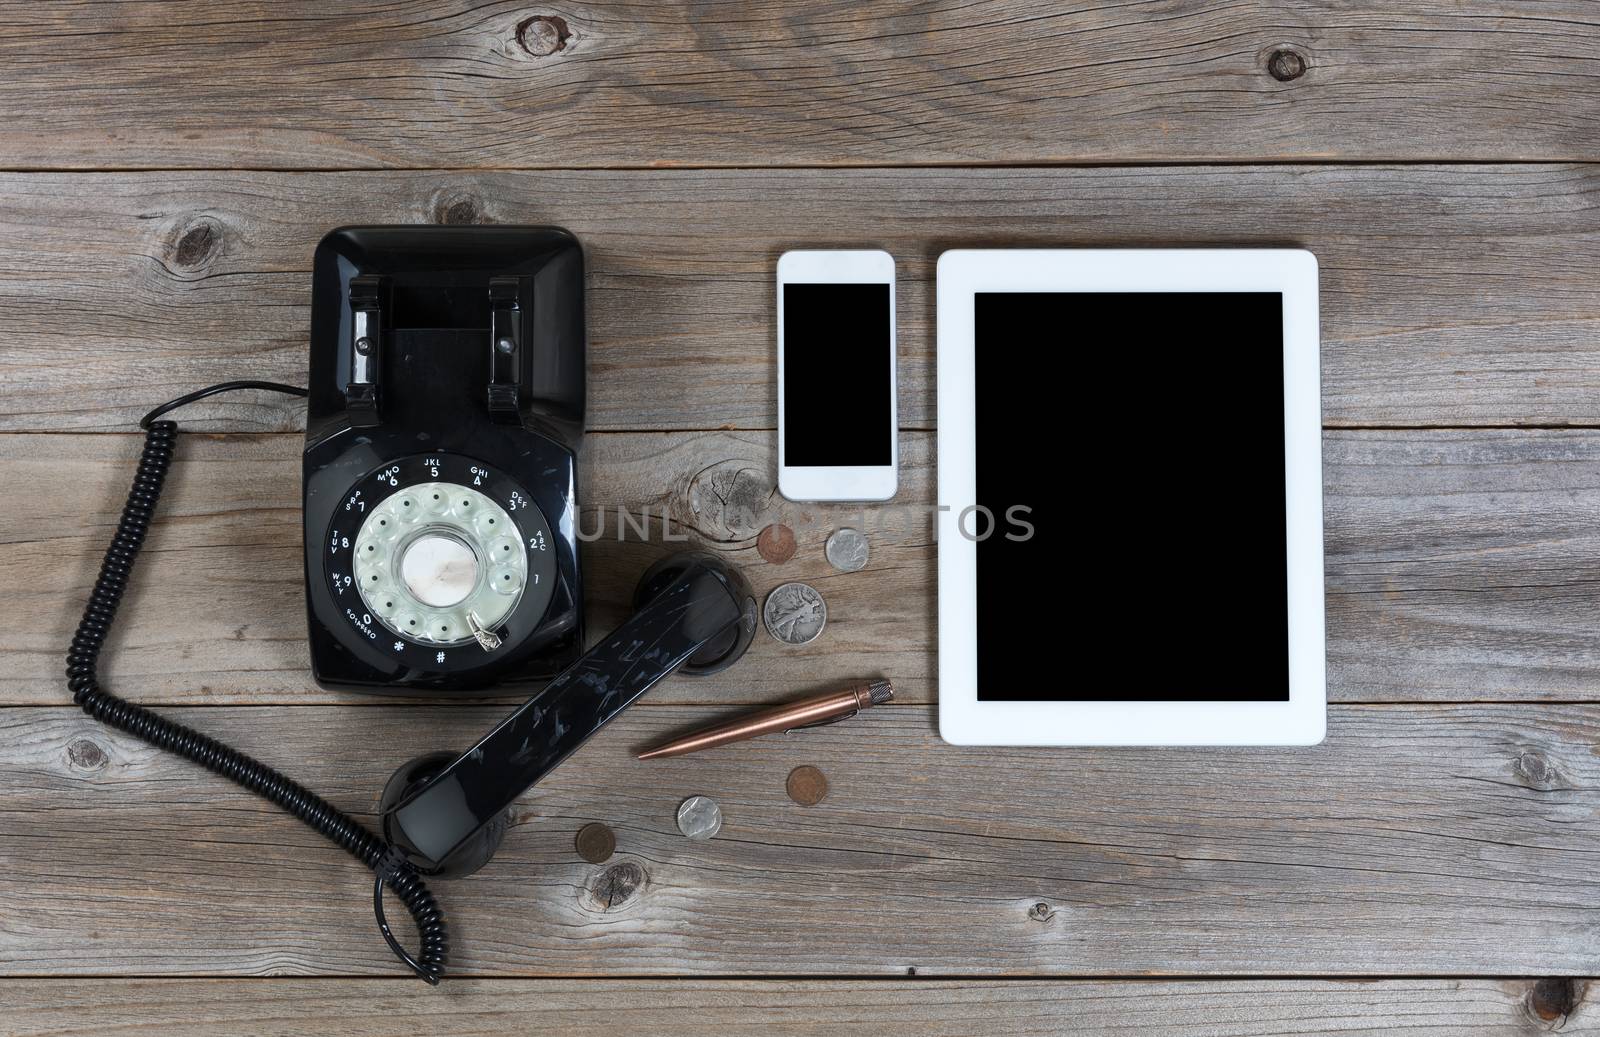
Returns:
(806, 785)
(596, 843)
(776, 543)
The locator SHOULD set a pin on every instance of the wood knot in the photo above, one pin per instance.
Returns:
(613, 888)
(1287, 64)
(1041, 912)
(1535, 770)
(458, 210)
(1554, 998)
(196, 243)
(730, 501)
(85, 755)
(543, 35)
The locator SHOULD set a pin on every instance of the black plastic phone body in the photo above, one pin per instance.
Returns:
(444, 355)
(693, 612)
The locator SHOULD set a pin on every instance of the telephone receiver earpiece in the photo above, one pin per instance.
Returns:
(447, 813)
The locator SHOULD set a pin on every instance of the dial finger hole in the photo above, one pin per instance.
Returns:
(407, 509)
(506, 581)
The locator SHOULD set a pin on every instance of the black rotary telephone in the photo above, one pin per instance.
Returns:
(444, 415)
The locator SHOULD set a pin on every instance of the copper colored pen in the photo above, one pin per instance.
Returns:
(820, 709)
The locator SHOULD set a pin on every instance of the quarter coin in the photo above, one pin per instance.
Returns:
(847, 550)
(699, 817)
(795, 613)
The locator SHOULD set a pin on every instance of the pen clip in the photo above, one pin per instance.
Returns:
(822, 723)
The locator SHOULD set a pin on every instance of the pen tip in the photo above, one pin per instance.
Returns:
(652, 754)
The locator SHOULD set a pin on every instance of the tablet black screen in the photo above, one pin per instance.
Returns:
(1144, 434)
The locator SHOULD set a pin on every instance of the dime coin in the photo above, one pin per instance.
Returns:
(699, 817)
(795, 613)
(776, 543)
(596, 843)
(806, 785)
(847, 550)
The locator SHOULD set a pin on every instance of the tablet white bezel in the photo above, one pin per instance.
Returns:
(966, 720)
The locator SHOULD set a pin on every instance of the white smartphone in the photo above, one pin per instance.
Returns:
(837, 418)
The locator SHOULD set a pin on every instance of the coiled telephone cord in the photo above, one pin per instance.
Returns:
(391, 867)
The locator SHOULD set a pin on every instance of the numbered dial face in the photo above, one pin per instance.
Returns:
(439, 563)
(439, 560)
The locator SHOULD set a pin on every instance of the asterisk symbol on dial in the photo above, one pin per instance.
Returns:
(399, 645)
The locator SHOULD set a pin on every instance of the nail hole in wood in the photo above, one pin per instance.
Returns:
(1287, 64)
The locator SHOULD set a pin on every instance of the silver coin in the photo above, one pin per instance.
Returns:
(795, 613)
(699, 817)
(847, 550)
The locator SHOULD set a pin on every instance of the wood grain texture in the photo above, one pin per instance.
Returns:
(1461, 565)
(1450, 296)
(1417, 840)
(694, 1008)
(307, 85)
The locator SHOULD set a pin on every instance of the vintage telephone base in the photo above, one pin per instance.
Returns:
(444, 417)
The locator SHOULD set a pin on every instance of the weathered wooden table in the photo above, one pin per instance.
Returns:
(1433, 866)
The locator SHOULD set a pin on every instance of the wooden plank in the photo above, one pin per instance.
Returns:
(1463, 565)
(692, 1008)
(1417, 840)
(1450, 296)
(217, 612)
(1460, 565)
(306, 85)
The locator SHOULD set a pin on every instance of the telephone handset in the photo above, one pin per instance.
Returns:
(444, 415)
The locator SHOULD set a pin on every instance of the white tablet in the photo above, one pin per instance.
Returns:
(1130, 478)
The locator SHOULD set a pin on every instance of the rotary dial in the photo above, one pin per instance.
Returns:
(437, 563)
(437, 560)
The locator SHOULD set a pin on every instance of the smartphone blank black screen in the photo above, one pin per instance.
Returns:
(837, 375)
(1145, 433)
